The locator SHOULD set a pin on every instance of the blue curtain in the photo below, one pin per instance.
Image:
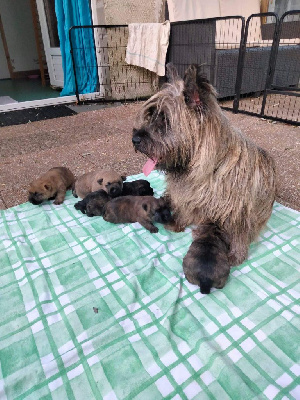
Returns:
(76, 13)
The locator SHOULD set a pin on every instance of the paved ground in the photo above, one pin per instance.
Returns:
(102, 138)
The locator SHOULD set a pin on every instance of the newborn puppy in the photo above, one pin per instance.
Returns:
(93, 204)
(140, 187)
(163, 214)
(52, 185)
(108, 180)
(206, 263)
(142, 209)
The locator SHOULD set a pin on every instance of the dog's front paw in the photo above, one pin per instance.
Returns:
(173, 227)
(74, 193)
(57, 202)
(154, 229)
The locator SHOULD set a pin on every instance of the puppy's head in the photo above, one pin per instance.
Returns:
(144, 188)
(112, 183)
(39, 191)
(96, 207)
(162, 213)
(156, 209)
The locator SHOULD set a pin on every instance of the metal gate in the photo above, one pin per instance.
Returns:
(255, 66)
(270, 68)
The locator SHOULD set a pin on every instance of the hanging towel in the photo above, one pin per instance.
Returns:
(147, 46)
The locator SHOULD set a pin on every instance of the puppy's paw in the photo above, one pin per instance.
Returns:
(173, 227)
(154, 229)
(57, 202)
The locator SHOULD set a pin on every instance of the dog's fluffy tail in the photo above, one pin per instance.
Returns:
(205, 285)
(206, 262)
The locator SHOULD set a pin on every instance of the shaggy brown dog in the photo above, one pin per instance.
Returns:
(108, 180)
(93, 203)
(52, 185)
(140, 187)
(213, 172)
(142, 209)
(206, 262)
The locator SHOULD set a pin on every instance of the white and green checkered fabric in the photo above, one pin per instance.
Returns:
(154, 336)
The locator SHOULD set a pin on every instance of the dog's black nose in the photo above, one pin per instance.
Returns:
(136, 140)
(115, 191)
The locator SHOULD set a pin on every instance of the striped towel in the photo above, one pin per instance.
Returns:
(147, 46)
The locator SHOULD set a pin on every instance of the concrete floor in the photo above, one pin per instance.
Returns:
(102, 139)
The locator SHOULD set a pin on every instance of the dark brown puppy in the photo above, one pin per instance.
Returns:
(93, 204)
(213, 171)
(142, 209)
(52, 185)
(206, 263)
(140, 187)
(107, 180)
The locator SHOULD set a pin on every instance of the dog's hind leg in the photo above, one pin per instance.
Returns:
(239, 238)
(238, 250)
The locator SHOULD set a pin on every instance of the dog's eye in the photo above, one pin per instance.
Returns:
(151, 111)
(108, 183)
(187, 98)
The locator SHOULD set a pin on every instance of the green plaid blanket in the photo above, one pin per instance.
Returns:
(92, 310)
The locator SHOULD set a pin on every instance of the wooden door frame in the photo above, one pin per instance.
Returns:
(6, 51)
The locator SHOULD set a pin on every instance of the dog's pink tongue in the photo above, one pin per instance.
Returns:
(149, 166)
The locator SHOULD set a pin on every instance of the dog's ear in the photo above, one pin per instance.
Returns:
(123, 177)
(174, 79)
(172, 74)
(100, 181)
(191, 92)
(196, 87)
(47, 186)
(145, 206)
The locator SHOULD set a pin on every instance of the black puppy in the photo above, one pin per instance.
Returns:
(140, 187)
(93, 204)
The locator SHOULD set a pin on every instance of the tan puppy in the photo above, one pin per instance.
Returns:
(142, 209)
(52, 185)
(108, 180)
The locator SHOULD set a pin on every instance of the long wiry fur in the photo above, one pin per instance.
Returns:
(213, 172)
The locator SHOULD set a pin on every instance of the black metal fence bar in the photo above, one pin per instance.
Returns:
(284, 92)
(209, 42)
(248, 55)
(253, 65)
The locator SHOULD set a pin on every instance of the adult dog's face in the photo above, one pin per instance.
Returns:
(165, 128)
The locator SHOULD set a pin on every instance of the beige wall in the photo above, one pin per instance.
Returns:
(18, 27)
(126, 81)
(129, 11)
